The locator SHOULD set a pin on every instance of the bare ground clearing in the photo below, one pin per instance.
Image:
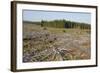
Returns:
(55, 44)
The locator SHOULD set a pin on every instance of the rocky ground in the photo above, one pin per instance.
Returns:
(43, 45)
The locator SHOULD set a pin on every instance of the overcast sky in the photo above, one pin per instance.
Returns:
(33, 15)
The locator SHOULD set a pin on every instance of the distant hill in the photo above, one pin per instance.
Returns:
(30, 22)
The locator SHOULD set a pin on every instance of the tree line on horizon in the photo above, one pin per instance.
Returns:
(64, 24)
(61, 24)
